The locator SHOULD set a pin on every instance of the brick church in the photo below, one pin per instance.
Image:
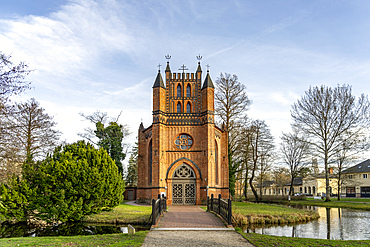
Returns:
(183, 154)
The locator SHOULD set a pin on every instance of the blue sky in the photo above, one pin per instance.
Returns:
(103, 55)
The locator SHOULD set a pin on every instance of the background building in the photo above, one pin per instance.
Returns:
(356, 180)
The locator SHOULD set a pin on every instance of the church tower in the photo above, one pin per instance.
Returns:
(183, 154)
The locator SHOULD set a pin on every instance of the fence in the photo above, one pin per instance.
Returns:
(220, 207)
(158, 207)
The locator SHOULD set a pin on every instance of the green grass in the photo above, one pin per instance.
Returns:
(261, 240)
(253, 213)
(94, 240)
(123, 214)
(345, 203)
(347, 199)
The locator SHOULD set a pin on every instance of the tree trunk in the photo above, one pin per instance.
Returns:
(252, 187)
(327, 178)
(291, 187)
(246, 185)
(339, 182)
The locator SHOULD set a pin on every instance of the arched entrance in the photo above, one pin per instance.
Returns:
(183, 186)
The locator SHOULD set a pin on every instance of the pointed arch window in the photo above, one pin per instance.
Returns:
(178, 107)
(184, 171)
(150, 162)
(178, 91)
(216, 163)
(188, 108)
(188, 91)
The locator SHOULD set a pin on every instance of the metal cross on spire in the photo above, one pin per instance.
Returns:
(208, 67)
(168, 57)
(159, 67)
(183, 68)
(199, 57)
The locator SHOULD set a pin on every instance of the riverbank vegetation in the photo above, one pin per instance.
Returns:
(362, 204)
(260, 240)
(253, 213)
(92, 240)
(122, 214)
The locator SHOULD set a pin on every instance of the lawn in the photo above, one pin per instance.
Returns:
(260, 240)
(259, 213)
(354, 203)
(123, 214)
(93, 240)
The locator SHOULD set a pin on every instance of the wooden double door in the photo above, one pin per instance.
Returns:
(184, 192)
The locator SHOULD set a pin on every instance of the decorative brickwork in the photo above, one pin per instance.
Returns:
(183, 139)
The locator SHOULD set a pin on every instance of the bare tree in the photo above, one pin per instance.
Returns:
(295, 150)
(281, 177)
(34, 129)
(12, 82)
(12, 78)
(231, 104)
(261, 147)
(327, 114)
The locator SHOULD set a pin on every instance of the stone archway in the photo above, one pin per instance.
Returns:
(183, 186)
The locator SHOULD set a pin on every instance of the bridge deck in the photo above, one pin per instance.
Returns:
(189, 217)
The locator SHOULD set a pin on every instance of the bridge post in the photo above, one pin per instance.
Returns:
(212, 202)
(229, 205)
(153, 212)
(219, 204)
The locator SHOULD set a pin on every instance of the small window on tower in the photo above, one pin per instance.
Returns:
(188, 91)
(178, 108)
(188, 108)
(178, 91)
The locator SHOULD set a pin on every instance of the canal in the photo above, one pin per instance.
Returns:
(334, 223)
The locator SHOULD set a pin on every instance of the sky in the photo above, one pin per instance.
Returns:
(89, 55)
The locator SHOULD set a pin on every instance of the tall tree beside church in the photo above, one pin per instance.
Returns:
(330, 117)
(34, 130)
(12, 82)
(262, 151)
(109, 136)
(131, 177)
(231, 104)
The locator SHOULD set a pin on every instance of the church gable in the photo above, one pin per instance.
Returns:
(183, 148)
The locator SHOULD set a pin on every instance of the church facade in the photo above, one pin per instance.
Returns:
(183, 154)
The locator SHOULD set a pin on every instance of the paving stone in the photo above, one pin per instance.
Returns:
(192, 217)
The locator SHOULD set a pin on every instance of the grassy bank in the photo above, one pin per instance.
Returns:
(260, 240)
(253, 213)
(122, 214)
(334, 203)
(92, 240)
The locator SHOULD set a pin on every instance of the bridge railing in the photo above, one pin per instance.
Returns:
(220, 207)
(159, 206)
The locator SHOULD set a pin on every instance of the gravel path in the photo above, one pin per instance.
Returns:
(194, 238)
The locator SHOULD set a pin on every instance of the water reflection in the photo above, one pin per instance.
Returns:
(334, 223)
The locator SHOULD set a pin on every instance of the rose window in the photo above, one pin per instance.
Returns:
(184, 142)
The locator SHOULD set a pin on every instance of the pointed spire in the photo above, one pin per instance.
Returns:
(199, 57)
(159, 81)
(199, 68)
(141, 127)
(168, 69)
(168, 57)
(208, 82)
